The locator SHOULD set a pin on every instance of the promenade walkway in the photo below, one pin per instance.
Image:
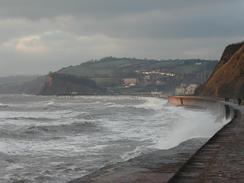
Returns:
(221, 160)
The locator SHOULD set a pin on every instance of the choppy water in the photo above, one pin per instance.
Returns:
(56, 139)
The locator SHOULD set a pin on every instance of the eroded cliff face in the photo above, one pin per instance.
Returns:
(63, 84)
(227, 80)
(229, 51)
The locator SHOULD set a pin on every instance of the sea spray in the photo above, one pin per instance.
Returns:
(56, 139)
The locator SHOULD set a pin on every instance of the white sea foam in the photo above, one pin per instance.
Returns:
(151, 103)
(87, 132)
(3, 105)
(189, 124)
(38, 118)
(132, 154)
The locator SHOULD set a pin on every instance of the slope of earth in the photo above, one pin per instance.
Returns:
(228, 77)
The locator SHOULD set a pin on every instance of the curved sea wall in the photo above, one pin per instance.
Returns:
(162, 165)
(216, 106)
(221, 158)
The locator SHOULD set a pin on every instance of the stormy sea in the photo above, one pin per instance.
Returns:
(57, 139)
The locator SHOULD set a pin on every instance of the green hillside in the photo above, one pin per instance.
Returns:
(110, 71)
(110, 66)
(119, 76)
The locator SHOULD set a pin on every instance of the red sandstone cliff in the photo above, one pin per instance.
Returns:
(63, 84)
(227, 80)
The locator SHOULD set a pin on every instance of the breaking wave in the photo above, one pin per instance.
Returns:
(71, 128)
(3, 105)
(151, 103)
(66, 137)
(30, 118)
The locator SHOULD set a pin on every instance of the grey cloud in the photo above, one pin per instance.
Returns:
(127, 18)
(37, 36)
(97, 8)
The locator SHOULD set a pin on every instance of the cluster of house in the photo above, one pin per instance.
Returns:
(156, 77)
(129, 82)
(157, 72)
(185, 89)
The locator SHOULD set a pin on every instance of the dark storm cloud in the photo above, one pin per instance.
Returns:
(137, 18)
(49, 8)
(54, 33)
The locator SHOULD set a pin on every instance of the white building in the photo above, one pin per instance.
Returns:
(186, 89)
(128, 82)
(190, 89)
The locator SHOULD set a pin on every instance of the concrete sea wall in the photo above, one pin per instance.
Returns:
(216, 106)
(221, 159)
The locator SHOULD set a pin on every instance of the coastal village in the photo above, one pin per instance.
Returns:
(159, 78)
(153, 82)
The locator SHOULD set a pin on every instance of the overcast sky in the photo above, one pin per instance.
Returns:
(38, 36)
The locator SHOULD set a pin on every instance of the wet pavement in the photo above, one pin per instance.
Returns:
(221, 160)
